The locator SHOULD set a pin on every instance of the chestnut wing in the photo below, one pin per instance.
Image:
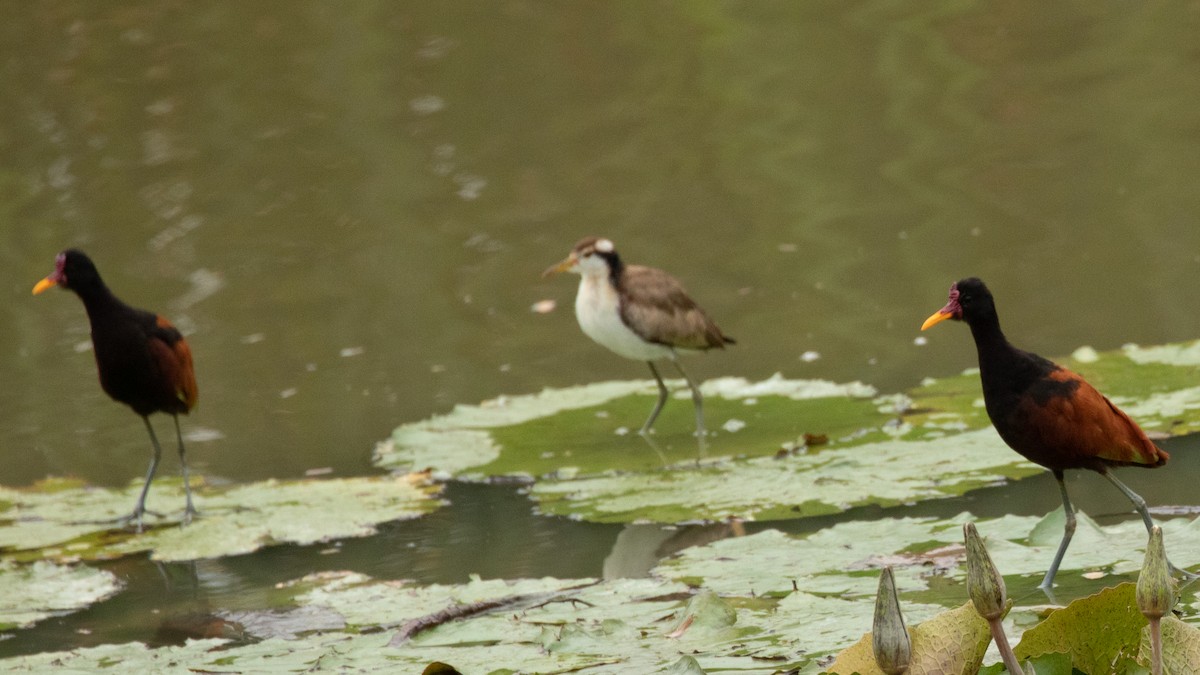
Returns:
(1078, 428)
(171, 353)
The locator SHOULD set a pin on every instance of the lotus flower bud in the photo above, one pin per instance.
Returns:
(984, 583)
(889, 636)
(1155, 588)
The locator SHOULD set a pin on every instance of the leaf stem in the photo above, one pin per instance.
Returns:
(1156, 645)
(1006, 652)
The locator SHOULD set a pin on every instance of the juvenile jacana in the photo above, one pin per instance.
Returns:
(1046, 412)
(143, 360)
(641, 313)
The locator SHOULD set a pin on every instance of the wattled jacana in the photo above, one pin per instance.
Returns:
(1046, 412)
(143, 360)
(640, 313)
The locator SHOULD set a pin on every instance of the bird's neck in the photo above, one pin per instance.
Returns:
(615, 268)
(98, 300)
(609, 275)
(1003, 369)
(996, 354)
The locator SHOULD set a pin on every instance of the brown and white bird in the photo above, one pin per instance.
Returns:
(641, 313)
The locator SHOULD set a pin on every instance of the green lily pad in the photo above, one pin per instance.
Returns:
(1047, 664)
(619, 626)
(67, 522)
(884, 473)
(807, 447)
(844, 559)
(590, 429)
(763, 603)
(31, 593)
(600, 476)
(1101, 632)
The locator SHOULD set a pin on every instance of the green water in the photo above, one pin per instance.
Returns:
(346, 207)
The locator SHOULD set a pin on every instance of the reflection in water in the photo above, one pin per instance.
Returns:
(640, 547)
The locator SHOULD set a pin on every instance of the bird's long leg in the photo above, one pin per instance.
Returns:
(190, 510)
(697, 399)
(140, 509)
(1068, 532)
(1140, 505)
(662, 400)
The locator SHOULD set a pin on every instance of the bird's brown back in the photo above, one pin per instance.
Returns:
(655, 306)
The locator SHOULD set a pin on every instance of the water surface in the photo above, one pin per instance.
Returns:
(346, 208)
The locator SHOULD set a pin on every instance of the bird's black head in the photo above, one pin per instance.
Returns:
(970, 301)
(73, 270)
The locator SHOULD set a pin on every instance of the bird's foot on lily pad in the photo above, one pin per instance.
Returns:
(189, 514)
(133, 520)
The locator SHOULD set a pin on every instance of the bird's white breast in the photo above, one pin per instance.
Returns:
(597, 307)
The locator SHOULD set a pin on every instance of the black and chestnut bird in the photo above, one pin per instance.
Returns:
(1046, 412)
(641, 313)
(143, 360)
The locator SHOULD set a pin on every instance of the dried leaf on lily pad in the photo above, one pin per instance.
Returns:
(950, 643)
(74, 522)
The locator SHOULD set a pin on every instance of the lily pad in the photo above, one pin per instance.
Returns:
(31, 593)
(844, 559)
(67, 522)
(807, 447)
(764, 603)
(1181, 646)
(858, 455)
(884, 473)
(588, 429)
(1101, 632)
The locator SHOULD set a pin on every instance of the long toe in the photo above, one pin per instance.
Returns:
(135, 519)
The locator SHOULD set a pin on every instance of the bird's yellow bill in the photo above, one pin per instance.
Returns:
(936, 318)
(44, 284)
(558, 267)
